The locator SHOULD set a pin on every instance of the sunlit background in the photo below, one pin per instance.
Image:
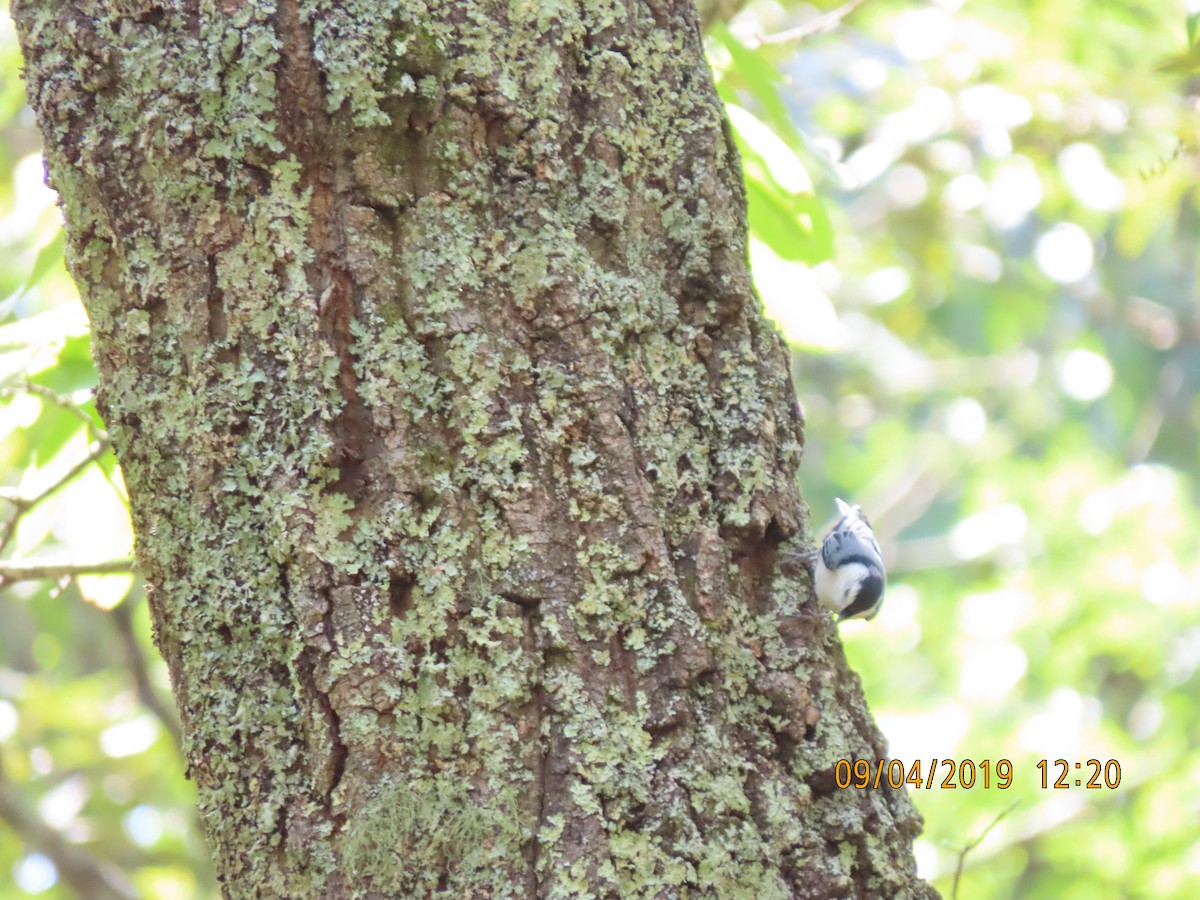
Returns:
(977, 224)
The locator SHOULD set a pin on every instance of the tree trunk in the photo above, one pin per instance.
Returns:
(459, 453)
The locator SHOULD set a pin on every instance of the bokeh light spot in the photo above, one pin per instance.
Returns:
(1084, 375)
(1065, 253)
(128, 738)
(35, 873)
(1090, 179)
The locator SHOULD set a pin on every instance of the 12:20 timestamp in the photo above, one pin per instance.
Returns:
(1111, 774)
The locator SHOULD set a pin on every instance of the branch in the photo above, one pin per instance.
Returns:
(99, 434)
(122, 616)
(1048, 815)
(1150, 423)
(907, 497)
(712, 11)
(87, 876)
(12, 571)
(968, 847)
(24, 386)
(24, 504)
(819, 25)
(135, 659)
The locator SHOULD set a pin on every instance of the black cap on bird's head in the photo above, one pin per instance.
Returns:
(867, 602)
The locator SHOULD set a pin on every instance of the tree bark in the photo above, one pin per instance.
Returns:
(459, 454)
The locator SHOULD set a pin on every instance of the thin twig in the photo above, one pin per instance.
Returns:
(24, 386)
(23, 504)
(12, 571)
(819, 25)
(135, 659)
(968, 847)
(1149, 425)
(87, 875)
(904, 499)
(1064, 809)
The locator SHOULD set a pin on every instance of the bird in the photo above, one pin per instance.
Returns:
(848, 570)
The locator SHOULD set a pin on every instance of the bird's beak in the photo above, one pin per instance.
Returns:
(843, 507)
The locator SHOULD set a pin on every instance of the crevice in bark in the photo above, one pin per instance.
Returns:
(536, 725)
(306, 131)
(400, 587)
(218, 326)
(339, 752)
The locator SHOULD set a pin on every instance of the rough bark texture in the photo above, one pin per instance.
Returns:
(459, 453)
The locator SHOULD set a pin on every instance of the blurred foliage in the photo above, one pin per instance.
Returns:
(978, 225)
(999, 360)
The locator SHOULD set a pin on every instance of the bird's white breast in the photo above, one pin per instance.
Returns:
(835, 590)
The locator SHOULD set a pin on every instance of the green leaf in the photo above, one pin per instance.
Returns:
(49, 256)
(811, 217)
(53, 429)
(1181, 63)
(74, 369)
(783, 212)
(761, 76)
(796, 227)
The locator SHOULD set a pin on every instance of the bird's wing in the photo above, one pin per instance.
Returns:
(847, 543)
(831, 547)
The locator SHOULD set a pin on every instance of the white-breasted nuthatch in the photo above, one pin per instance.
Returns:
(848, 570)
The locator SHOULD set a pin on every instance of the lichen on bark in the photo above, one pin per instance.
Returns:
(459, 452)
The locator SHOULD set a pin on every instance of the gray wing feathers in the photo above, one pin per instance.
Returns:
(850, 537)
